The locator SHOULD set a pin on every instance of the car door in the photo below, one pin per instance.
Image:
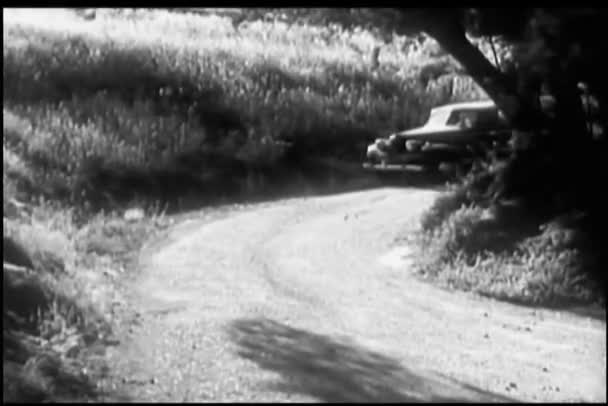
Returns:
(491, 131)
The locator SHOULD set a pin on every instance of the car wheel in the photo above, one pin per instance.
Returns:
(462, 169)
(445, 167)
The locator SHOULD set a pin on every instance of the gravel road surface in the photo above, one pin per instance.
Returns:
(305, 300)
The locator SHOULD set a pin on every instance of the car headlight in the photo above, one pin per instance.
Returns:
(412, 145)
(381, 144)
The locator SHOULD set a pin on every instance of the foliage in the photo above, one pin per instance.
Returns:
(446, 204)
(477, 250)
(169, 101)
(59, 297)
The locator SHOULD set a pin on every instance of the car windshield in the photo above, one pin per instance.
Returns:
(485, 118)
(466, 117)
(438, 117)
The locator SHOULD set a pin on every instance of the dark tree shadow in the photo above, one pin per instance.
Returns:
(333, 371)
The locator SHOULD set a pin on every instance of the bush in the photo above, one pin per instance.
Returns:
(444, 206)
(59, 295)
(489, 253)
(46, 314)
(519, 228)
(456, 234)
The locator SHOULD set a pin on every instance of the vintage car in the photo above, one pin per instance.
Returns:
(453, 133)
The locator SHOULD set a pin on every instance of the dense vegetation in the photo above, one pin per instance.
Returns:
(121, 105)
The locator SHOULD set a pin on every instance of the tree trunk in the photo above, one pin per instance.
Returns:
(451, 37)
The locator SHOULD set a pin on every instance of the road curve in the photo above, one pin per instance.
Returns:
(295, 301)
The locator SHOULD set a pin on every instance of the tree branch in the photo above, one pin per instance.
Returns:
(494, 52)
(450, 34)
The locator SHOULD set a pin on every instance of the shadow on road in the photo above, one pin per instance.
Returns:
(333, 371)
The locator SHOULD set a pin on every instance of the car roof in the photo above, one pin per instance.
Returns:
(473, 105)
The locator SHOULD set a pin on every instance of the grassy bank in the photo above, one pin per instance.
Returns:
(161, 104)
(505, 252)
(60, 296)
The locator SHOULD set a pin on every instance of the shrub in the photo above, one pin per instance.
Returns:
(483, 251)
(457, 233)
(45, 312)
(444, 206)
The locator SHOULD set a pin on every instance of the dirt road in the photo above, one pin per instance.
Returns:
(298, 301)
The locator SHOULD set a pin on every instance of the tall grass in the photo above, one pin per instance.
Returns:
(505, 254)
(139, 91)
(60, 296)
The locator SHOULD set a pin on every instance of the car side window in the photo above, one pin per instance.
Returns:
(454, 118)
(482, 119)
(464, 118)
(438, 117)
(470, 119)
